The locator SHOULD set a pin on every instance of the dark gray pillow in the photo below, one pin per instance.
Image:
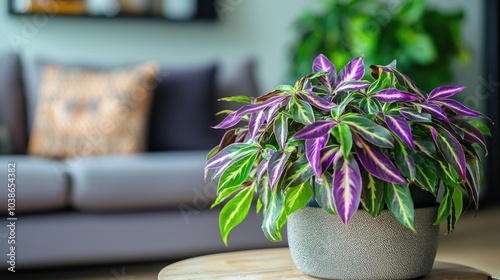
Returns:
(183, 110)
(12, 106)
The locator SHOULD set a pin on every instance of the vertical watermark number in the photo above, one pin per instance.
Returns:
(11, 220)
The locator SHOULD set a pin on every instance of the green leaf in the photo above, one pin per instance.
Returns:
(370, 131)
(372, 197)
(298, 173)
(412, 11)
(481, 126)
(447, 174)
(445, 205)
(338, 110)
(236, 173)
(274, 216)
(259, 206)
(404, 159)
(344, 138)
(323, 193)
(297, 198)
(285, 88)
(302, 112)
(224, 194)
(426, 176)
(458, 203)
(240, 99)
(235, 211)
(370, 106)
(400, 203)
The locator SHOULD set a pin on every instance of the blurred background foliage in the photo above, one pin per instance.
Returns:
(425, 42)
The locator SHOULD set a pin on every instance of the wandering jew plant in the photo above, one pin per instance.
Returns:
(343, 141)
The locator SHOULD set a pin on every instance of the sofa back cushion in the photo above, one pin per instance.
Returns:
(12, 110)
(83, 112)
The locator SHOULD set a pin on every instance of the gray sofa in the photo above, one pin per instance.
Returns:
(109, 209)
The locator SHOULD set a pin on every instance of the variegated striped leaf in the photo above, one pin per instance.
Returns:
(372, 196)
(302, 112)
(281, 130)
(256, 121)
(297, 197)
(274, 216)
(298, 173)
(315, 100)
(237, 173)
(443, 92)
(315, 130)
(235, 211)
(347, 185)
(328, 156)
(426, 173)
(451, 149)
(370, 131)
(404, 159)
(400, 203)
(415, 116)
(230, 153)
(276, 167)
(313, 153)
(323, 193)
(377, 163)
(401, 128)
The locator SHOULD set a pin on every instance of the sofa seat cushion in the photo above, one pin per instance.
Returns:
(142, 181)
(41, 184)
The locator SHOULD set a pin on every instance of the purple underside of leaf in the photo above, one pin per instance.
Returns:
(328, 156)
(347, 186)
(236, 116)
(313, 153)
(316, 100)
(435, 110)
(322, 63)
(354, 70)
(401, 128)
(457, 107)
(451, 149)
(391, 95)
(445, 92)
(352, 86)
(315, 130)
(262, 168)
(377, 163)
(276, 167)
(256, 121)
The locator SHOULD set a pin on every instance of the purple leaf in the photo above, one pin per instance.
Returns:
(457, 107)
(313, 153)
(328, 157)
(353, 71)
(434, 110)
(276, 167)
(271, 110)
(471, 133)
(256, 121)
(322, 63)
(230, 153)
(347, 185)
(445, 92)
(451, 150)
(235, 117)
(298, 173)
(315, 130)
(281, 130)
(391, 95)
(377, 163)
(415, 116)
(352, 86)
(262, 168)
(316, 100)
(401, 128)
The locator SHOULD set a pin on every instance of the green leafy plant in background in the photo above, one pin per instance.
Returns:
(345, 141)
(425, 42)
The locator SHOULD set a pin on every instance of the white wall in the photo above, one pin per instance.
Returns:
(255, 28)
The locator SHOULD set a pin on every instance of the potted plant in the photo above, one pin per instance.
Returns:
(356, 148)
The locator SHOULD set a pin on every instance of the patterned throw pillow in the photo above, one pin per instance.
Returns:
(83, 112)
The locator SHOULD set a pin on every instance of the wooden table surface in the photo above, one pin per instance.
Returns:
(278, 264)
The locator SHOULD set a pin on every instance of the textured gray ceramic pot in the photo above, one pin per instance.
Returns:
(368, 248)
